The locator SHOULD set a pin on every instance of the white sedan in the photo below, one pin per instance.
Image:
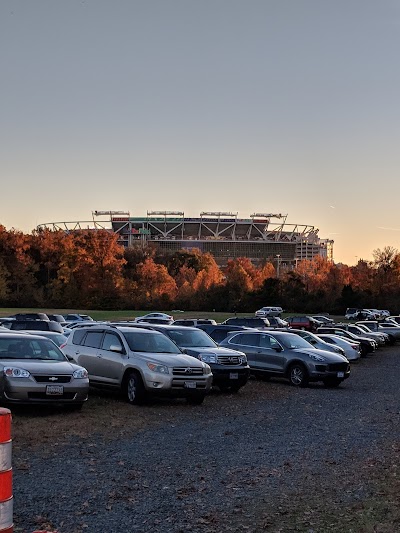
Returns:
(351, 349)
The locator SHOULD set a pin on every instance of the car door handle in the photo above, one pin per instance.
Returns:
(77, 353)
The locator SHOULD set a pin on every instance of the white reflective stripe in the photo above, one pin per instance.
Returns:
(6, 514)
(5, 456)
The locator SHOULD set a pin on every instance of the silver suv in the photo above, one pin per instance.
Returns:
(138, 362)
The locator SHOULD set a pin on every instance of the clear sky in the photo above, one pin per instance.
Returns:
(286, 106)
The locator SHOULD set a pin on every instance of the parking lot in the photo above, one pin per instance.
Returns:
(270, 458)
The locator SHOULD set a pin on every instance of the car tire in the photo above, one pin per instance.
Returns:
(298, 375)
(134, 390)
(332, 382)
(195, 399)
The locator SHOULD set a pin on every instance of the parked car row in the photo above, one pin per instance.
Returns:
(186, 359)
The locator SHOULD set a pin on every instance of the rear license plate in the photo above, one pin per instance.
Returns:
(340, 374)
(190, 384)
(54, 390)
(233, 375)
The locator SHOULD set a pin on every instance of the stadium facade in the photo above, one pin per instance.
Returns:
(262, 236)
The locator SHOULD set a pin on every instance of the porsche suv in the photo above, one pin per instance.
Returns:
(289, 356)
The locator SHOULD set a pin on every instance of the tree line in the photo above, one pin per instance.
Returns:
(88, 269)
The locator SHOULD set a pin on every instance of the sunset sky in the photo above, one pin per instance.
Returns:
(224, 105)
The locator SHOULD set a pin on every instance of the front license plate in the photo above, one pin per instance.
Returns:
(190, 384)
(233, 375)
(54, 390)
(340, 374)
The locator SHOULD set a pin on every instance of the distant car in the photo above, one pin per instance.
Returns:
(33, 370)
(317, 342)
(351, 348)
(163, 316)
(367, 345)
(380, 338)
(287, 355)
(323, 319)
(31, 316)
(56, 318)
(194, 322)
(277, 322)
(390, 328)
(248, 321)
(37, 325)
(393, 318)
(75, 317)
(303, 322)
(151, 320)
(266, 312)
(219, 332)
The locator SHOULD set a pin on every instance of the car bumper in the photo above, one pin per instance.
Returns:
(231, 375)
(177, 385)
(17, 391)
(321, 372)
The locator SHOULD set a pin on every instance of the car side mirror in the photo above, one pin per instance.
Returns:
(278, 348)
(116, 348)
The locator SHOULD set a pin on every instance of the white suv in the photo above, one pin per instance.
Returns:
(138, 362)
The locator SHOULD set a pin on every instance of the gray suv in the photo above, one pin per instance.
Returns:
(290, 356)
(138, 362)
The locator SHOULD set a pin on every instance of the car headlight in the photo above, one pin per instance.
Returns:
(14, 372)
(208, 357)
(243, 360)
(80, 373)
(316, 357)
(159, 369)
(206, 369)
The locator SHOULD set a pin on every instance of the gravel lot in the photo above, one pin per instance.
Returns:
(270, 458)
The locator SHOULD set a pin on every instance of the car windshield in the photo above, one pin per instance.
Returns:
(293, 341)
(41, 349)
(191, 339)
(152, 342)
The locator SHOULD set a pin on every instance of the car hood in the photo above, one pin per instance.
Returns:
(39, 366)
(195, 351)
(330, 357)
(168, 359)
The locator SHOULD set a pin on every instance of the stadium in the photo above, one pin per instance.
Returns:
(261, 237)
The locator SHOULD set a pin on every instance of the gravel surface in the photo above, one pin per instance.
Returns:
(270, 458)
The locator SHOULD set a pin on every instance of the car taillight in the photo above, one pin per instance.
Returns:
(63, 345)
(355, 346)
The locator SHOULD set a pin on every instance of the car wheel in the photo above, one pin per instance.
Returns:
(332, 382)
(298, 376)
(195, 399)
(134, 390)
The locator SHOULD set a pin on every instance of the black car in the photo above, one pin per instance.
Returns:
(229, 367)
(248, 321)
(37, 325)
(219, 332)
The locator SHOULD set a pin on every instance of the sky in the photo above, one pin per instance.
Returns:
(244, 106)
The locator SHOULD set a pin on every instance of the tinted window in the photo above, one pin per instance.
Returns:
(191, 338)
(219, 334)
(110, 339)
(245, 339)
(141, 341)
(78, 335)
(93, 339)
